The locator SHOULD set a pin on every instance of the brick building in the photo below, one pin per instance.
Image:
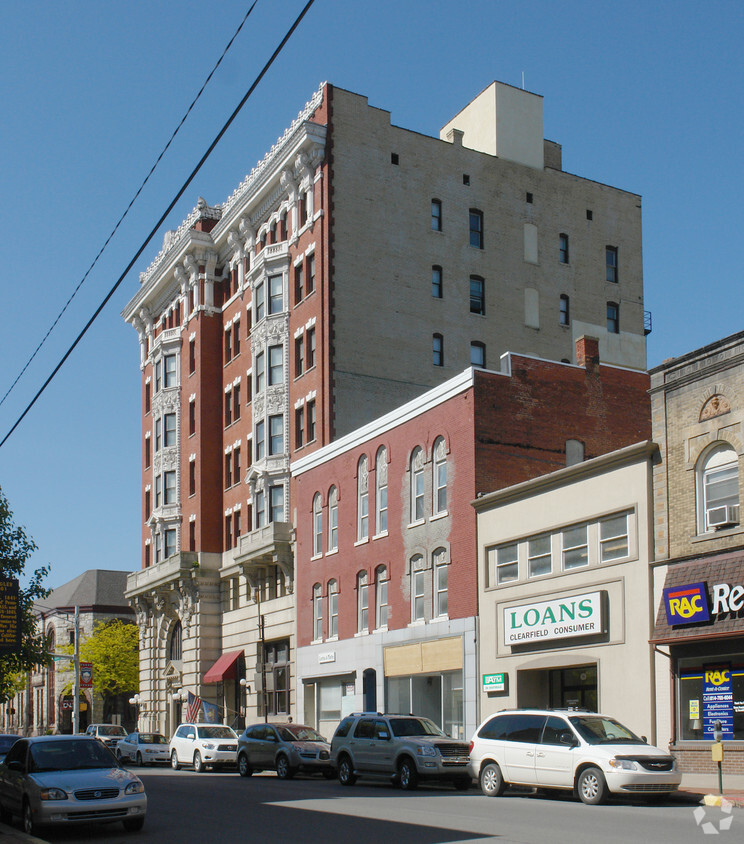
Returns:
(386, 581)
(697, 418)
(358, 265)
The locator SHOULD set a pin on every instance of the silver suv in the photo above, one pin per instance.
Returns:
(402, 748)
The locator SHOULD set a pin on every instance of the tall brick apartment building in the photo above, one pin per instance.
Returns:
(357, 266)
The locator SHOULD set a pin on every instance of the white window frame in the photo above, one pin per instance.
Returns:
(317, 613)
(418, 484)
(381, 492)
(362, 499)
(572, 556)
(418, 592)
(333, 519)
(317, 525)
(439, 477)
(332, 609)
(363, 602)
(718, 465)
(382, 607)
(540, 555)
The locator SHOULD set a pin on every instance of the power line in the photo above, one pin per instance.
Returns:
(131, 203)
(167, 211)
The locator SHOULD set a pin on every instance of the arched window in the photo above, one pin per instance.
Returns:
(381, 504)
(418, 588)
(718, 488)
(317, 612)
(362, 498)
(439, 476)
(417, 485)
(382, 607)
(441, 569)
(174, 648)
(363, 602)
(332, 609)
(317, 525)
(333, 519)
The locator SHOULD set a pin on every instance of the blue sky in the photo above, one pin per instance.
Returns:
(643, 96)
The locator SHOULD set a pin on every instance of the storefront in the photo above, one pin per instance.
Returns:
(700, 628)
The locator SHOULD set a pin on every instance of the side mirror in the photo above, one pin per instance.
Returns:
(568, 738)
(16, 766)
(644, 739)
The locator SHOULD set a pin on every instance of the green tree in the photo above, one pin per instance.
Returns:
(113, 650)
(15, 549)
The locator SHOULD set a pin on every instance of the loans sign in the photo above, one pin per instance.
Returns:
(579, 615)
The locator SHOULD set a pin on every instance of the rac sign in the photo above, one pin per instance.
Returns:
(686, 604)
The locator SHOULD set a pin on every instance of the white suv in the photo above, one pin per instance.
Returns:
(588, 753)
(203, 746)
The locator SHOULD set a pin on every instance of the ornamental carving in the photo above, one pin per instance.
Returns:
(363, 475)
(716, 405)
(440, 451)
(382, 469)
(418, 459)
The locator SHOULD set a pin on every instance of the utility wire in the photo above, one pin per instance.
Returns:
(159, 223)
(131, 203)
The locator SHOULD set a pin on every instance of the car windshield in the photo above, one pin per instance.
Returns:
(596, 729)
(70, 756)
(152, 738)
(216, 732)
(414, 727)
(111, 730)
(294, 732)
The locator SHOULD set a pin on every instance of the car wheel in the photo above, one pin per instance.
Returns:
(346, 775)
(408, 775)
(244, 769)
(491, 781)
(592, 786)
(29, 825)
(134, 824)
(462, 783)
(283, 768)
(174, 761)
(199, 765)
(139, 758)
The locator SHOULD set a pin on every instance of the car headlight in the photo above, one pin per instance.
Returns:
(426, 750)
(623, 764)
(53, 794)
(135, 787)
(208, 745)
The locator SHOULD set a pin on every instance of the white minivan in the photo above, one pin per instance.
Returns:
(589, 753)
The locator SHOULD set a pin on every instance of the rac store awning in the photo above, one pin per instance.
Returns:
(224, 669)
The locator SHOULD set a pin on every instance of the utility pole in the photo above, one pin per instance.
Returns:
(76, 682)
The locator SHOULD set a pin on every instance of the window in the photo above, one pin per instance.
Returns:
(477, 354)
(310, 348)
(174, 647)
(228, 531)
(310, 273)
(148, 400)
(158, 376)
(332, 609)
(236, 338)
(228, 408)
(317, 612)
(477, 295)
(169, 366)
(228, 344)
(192, 536)
(236, 402)
(362, 498)
(333, 519)
(436, 215)
(476, 228)
(507, 563)
(437, 348)
(299, 426)
(613, 538)
(276, 294)
(418, 591)
(169, 542)
(528, 198)
(589, 214)
(575, 548)
(299, 282)
(276, 434)
(260, 509)
(259, 301)
(317, 525)
(613, 318)
(148, 505)
(158, 490)
(169, 487)
(381, 597)
(192, 477)
(158, 435)
(260, 441)
(436, 282)
(228, 471)
(192, 417)
(236, 526)
(299, 355)
(276, 504)
(311, 421)
(611, 262)
(718, 487)
(563, 248)
(381, 495)
(440, 582)
(363, 602)
(439, 476)
(147, 453)
(236, 465)
(417, 485)
(276, 365)
(192, 357)
(539, 556)
(564, 317)
(394, 159)
(260, 372)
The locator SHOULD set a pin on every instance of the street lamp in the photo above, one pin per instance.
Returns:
(136, 701)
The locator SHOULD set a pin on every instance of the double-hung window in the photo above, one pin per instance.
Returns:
(477, 295)
(169, 487)
(363, 602)
(276, 294)
(169, 362)
(317, 525)
(169, 429)
(613, 538)
(563, 248)
(436, 282)
(439, 476)
(260, 372)
(441, 570)
(363, 498)
(507, 563)
(276, 504)
(418, 590)
(417, 485)
(575, 547)
(260, 441)
(565, 313)
(259, 301)
(381, 491)
(317, 612)
(611, 263)
(276, 365)
(332, 609)
(476, 228)
(436, 215)
(437, 348)
(276, 434)
(381, 597)
(539, 559)
(613, 318)
(333, 519)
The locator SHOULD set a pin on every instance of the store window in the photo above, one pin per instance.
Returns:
(710, 688)
(434, 696)
(276, 671)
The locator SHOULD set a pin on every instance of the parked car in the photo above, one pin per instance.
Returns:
(109, 734)
(67, 780)
(285, 748)
(403, 748)
(6, 742)
(592, 754)
(204, 746)
(143, 748)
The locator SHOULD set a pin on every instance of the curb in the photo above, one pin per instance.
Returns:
(10, 834)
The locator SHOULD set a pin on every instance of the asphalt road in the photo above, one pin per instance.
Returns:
(223, 808)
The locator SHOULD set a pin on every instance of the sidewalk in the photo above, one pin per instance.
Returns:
(695, 787)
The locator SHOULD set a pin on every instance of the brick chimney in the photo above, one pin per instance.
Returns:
(587, 352)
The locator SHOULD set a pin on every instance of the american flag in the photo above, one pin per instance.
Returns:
(193, 706)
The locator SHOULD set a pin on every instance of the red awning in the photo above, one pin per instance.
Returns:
(224, 668)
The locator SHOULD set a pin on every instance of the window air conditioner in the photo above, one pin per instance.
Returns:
(724, 516)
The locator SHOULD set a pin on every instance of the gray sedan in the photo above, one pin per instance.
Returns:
(285, 748)
(67, 780)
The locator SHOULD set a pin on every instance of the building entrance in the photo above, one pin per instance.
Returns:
(574, 688)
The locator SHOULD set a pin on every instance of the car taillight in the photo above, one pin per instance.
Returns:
(470, 748)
